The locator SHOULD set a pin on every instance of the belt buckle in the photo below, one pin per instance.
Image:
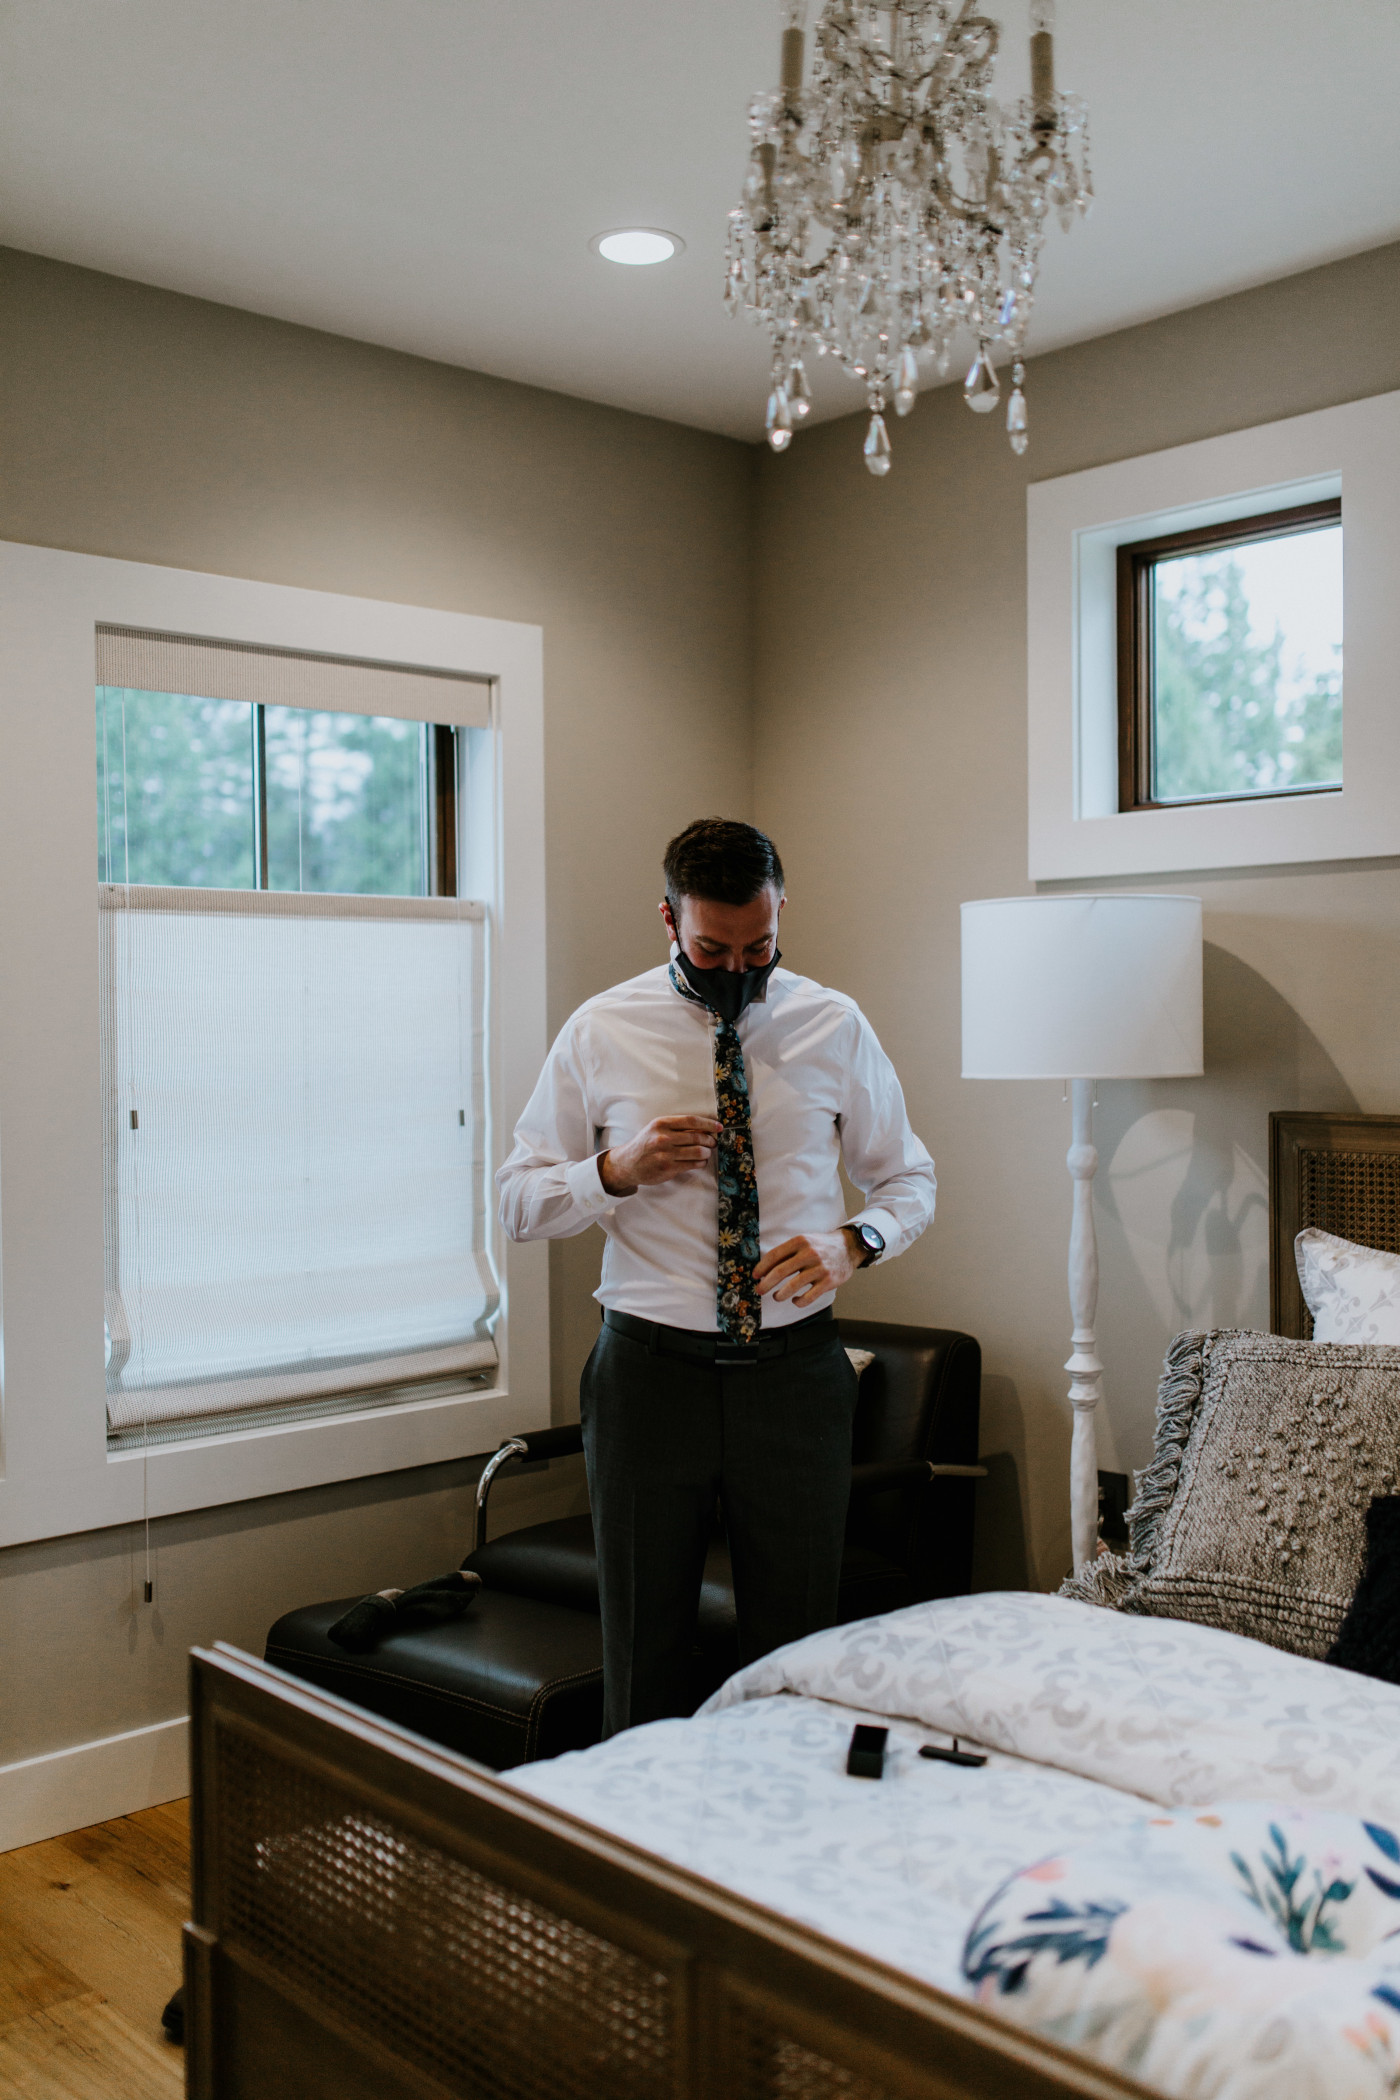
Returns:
(734, 1355)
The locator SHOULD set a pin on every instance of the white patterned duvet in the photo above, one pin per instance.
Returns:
(1091, 1721)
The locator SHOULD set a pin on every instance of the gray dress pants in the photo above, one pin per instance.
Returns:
(664, 1438)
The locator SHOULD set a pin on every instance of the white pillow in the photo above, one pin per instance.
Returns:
(861, 1359)
(1353, 1293)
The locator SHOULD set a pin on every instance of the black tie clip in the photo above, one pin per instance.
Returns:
(953, 1756)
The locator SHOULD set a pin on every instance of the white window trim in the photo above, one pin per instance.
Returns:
(1075, 525)
(56, 1474)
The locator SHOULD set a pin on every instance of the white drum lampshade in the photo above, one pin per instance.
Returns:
(1082, 988)
(1079, 987)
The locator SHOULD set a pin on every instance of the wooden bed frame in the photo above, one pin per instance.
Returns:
(376, 1919)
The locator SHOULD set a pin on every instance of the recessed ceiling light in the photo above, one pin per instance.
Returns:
(637, 245)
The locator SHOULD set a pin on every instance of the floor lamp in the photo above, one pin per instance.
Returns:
(1082, 988)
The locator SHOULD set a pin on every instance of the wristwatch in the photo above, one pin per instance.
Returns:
(870, 1242)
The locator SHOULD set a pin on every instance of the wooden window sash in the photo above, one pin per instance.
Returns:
(1136, 670)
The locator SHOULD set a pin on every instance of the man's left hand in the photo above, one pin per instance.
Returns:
(806, 1268)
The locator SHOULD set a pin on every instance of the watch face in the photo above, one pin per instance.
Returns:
(870, 1239)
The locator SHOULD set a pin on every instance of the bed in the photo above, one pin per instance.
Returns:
(376, 1918)
(715, 1906)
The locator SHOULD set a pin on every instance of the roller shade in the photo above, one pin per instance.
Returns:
(295, 1188)
(164, 663)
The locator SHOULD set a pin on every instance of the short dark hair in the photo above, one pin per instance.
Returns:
(722, 860)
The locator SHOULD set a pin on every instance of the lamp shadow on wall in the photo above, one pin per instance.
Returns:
(1182, 1193)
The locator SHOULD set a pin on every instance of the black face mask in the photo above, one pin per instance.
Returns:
(726, 992)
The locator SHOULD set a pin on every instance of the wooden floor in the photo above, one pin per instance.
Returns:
(89, 1953)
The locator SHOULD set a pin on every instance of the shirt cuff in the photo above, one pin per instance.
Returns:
(887, 1225)
(585, 1184)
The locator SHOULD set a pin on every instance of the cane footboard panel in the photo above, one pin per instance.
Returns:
(375, 1917)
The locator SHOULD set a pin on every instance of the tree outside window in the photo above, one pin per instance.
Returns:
(1230, 661)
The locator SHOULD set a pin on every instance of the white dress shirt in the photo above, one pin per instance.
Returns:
(820, 1089)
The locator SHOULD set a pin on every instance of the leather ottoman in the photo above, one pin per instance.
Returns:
(514, 1679)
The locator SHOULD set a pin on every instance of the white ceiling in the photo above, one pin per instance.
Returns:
(427, 173)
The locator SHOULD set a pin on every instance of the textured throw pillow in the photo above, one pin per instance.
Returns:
(1353, 1293)
(1252, 1513)
(1370, 1637)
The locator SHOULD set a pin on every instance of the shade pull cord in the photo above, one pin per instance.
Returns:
(146, 1506)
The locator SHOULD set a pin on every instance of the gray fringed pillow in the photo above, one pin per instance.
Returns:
(1252, 1514)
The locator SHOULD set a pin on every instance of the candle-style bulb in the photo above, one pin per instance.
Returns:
(1043, 63)
(794, 14)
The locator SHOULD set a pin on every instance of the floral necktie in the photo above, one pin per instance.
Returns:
(736, 1294)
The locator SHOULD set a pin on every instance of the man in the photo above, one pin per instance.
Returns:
(699, 1114)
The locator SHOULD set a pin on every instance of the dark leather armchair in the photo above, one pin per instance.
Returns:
(521, 1675)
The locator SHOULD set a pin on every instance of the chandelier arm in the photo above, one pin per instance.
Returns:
(966, 207)
(942, 72)
(966, 15)
(974, 214)
(869, 58)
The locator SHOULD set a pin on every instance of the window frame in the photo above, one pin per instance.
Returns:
(438, 757)
(57, 1475)
(1075, 524)
(439, 762)
(1136, 563)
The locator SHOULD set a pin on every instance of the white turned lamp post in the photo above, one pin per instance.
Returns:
(1082, 988)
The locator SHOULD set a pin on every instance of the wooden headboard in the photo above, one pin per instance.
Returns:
(1339, 1172)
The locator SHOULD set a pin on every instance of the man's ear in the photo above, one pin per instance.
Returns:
(667, 921)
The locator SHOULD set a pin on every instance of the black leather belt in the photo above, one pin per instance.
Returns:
(698, 1347)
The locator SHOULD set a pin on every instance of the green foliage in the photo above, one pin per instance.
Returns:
(344, 803)
(174, 790)
(1070, 1931)
(1278, 1891)
(1226, 721)
(175, 776)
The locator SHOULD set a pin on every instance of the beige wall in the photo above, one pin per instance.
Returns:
(888, 647)
(891, 768)
(155, 428)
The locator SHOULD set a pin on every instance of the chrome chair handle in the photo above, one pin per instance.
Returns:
(513, 1447)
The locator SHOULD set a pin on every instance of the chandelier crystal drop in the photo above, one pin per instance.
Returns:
(877, 445)
(890, 205)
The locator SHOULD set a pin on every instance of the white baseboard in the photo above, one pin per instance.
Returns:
(41, 1797)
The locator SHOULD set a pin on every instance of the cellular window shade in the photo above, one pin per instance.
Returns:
(165, 663)
(294, 1180)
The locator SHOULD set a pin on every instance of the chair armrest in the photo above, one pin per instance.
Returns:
(875, 1478)
(564, 1442)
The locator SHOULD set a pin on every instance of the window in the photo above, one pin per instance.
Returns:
(60, 1472)
(292, 1028)
(238, 794)
(1078, 827)
(1230, 659)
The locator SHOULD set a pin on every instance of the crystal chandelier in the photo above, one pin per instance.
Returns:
(890, 204)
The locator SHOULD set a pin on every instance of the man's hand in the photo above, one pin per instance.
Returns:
(668, 1147)
(807, 1267)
